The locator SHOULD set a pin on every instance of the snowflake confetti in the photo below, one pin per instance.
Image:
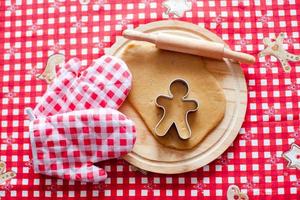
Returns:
(12, 8)
(218, 20)
(264, 19)
(273, 160)
(247, 136)
(243, 42)
(296, 183)
(33, 71)
(56, 5)
(268, 64)
(222, 160)
(34, 28)
(56, 48)
(271, 111)
(100, 186)
(146, 2)
(249, 185)
(100, 2)
(296, 134)
(12, 51)
(123, 22)
(100, 45)
(7, 187)
(78, 25)
(9, 140)
(150, 186)
(10, 95)
(199, 186)
(290, 41)
(29, 163)
(294, 87)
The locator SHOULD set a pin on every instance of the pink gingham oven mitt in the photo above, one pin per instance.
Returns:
(106, 83)
(76, 124)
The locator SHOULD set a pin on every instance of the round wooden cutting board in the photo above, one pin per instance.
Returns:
(148, 154)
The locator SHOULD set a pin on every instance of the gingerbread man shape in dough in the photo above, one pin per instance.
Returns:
(176, 108)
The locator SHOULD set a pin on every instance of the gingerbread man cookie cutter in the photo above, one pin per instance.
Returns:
(180, 97)
(49, 73)
(275, 48)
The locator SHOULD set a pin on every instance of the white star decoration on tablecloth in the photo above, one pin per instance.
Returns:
(177, 7)
(293, 156)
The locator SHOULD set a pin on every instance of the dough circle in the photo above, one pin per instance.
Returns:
(153, 70)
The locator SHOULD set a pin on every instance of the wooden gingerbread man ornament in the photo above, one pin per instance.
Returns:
(276, 49)
(234, 193)
(5, 175)
(176, 108)
(49, 73)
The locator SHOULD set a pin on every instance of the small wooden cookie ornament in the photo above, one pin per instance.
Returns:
(234, 193)
(177, 7)
(84, 2)
(176, 108)
(5, 175)
(293, 156)
(276, 49)
(49, 73)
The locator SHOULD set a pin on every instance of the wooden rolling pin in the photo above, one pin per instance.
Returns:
(189, 45)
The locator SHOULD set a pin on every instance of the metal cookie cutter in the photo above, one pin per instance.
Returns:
(177, 99)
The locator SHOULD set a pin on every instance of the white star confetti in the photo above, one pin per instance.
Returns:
(177, 7)
(293, 156)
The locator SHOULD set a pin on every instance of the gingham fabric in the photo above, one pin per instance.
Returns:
(33, 30)
(68, 145)
(106, 83)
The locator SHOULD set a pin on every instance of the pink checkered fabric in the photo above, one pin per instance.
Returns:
(67, 145)
(106, 83)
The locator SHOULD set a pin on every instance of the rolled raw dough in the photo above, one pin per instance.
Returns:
(153, 70)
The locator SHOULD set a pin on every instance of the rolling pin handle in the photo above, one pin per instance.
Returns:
(136, 35)
(239, 56)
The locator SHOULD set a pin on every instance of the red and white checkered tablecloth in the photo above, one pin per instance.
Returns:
(32, 30)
